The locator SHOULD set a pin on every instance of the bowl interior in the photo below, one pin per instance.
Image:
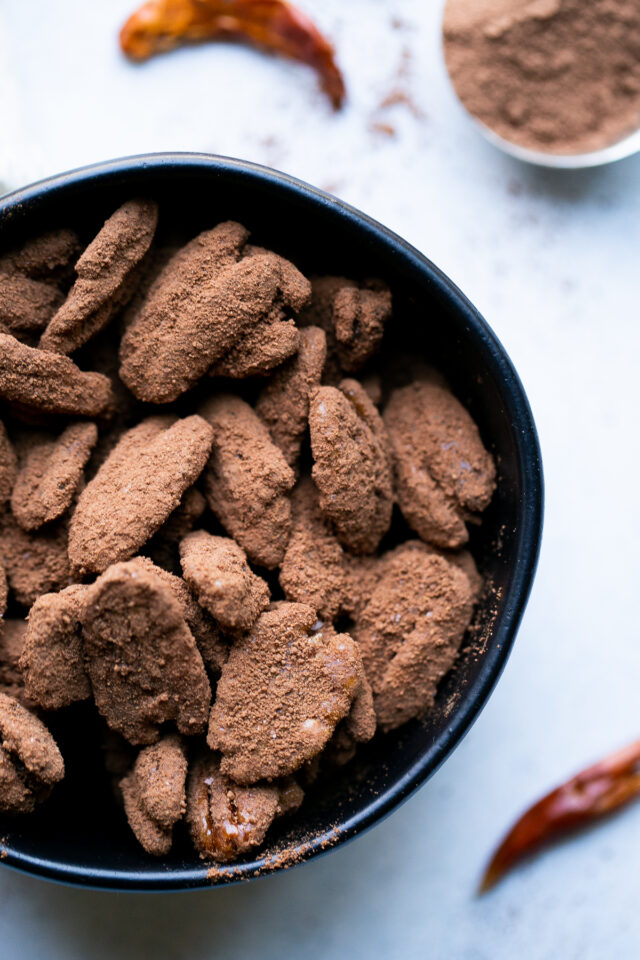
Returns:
(81, 835)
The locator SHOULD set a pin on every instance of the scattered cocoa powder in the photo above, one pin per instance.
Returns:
(560, 76)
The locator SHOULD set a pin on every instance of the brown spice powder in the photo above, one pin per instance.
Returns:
(560, 76)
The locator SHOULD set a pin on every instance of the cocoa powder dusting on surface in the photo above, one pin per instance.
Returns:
(247, 480)
(52, 660)
(362, 640)
(45, 381)
(559, 76)
(282, 691)
(50, 473)
(217, 571)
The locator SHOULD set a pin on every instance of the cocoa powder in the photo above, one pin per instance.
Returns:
(560, 76)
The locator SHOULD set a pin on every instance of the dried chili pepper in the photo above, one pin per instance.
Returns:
(597, 791)
(273, 25)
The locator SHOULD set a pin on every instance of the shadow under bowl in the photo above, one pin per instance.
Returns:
(80, 835)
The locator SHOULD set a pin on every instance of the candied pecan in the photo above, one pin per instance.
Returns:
(12, 638)
(163, 548)
(247, 480)
(48, 256)
(145, 476)
(4, 590)
(227, 820)
(35, 563)
(409, 628)
(281, 693)
(50, 473)
(443, 474)
(313, 569)
(30, 762)
(46, 381)
(283, 404)
(104, 273)
(52, 661)
(212, 645)
(351, 465)
(26, 305)
(353, 317)
(143, 663)
(217, 571)
(154, 794)
(267, 345)
(8, 466)
(201, 304)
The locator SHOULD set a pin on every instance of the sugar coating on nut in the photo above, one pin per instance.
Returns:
(265, 347)
(52, 659)
(313, 570)
(227, 820)
(45, 257)
(30, 762)
(4, 590)
(35, 563)
(136, 489)
(211, 643)
(281, 693)
(8, 465)
(353, 317)
(443, 474)
(247, 480)
(163, 546)
(409, 629)
(142, 660)
(46, 381)
(103, 276)
(154, 794)
(203, 302)
(50, 473)
(217, 571)
(283, 404)
(351, 466)
(26, 305)
(12, 638)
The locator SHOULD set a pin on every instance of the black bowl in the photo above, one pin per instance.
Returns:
(80, 835)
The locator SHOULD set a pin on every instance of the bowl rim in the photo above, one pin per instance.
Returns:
(526, 548)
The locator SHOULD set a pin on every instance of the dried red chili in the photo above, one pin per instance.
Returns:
(597, 791)
(273, 25)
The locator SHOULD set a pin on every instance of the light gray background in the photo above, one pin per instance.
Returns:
(553, 263)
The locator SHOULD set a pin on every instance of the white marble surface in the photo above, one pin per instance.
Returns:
(552, 262)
